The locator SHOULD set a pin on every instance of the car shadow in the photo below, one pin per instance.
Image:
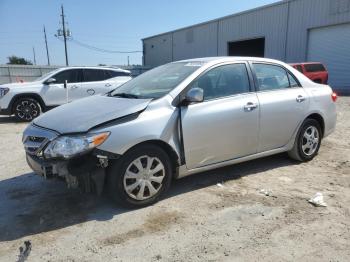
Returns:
(8, 120)
(31, 205)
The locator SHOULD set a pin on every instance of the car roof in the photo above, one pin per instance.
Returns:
(306, 63)
(228, 59)
(117, 69)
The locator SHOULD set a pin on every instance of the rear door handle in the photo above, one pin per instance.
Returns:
(108, 85)
(74, 87)
(300, 99)
(250, 106)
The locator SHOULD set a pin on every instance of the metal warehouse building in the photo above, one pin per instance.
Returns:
(290, 30)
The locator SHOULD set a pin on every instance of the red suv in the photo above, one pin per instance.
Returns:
(317, 72)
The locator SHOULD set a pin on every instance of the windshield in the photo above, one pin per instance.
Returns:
(46, 75)
(157, 82)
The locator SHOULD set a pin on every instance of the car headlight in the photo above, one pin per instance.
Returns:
(70, 146)
(3, 91)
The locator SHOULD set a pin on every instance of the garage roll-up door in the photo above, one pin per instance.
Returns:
(331, 46)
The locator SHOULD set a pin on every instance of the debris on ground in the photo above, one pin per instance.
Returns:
(266, 192)
(24, 251)
(220, 185)
(317, 200)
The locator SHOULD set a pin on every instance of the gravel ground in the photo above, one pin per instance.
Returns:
(198, 220)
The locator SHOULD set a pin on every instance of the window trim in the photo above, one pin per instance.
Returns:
(182, 94)
(256, 82)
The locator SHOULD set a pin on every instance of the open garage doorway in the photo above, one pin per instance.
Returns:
(253, 47)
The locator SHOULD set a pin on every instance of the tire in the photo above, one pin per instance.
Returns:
(126, 189)
(307, 142)
(26, 109)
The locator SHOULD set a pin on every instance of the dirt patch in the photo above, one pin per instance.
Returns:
(156, 222)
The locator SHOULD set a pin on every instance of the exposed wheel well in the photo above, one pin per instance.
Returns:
(319, 119)
(29, 95)
(174, 158)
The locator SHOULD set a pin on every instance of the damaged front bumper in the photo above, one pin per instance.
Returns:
(86, 172)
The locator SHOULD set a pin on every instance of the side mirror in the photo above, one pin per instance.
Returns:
(50, 81)
(195, 95)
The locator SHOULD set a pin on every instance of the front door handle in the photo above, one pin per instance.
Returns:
(300, 99)
(74, 87)
(108, 85)
(250, 107)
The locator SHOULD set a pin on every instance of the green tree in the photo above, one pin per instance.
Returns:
(15, 60)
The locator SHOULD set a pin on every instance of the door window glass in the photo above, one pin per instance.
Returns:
(224, 81)
(292, 81)
(72, 76)
(271, 77)
(94, 75)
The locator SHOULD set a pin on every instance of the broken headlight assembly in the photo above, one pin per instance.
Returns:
(69, 146)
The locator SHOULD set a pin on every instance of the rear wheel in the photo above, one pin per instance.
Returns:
(26, 109)
(307, 142)
(140, 177)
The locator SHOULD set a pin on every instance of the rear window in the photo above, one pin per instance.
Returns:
(314, 68)
(299, 68)
(111, 74)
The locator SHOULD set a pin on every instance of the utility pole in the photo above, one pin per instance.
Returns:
(128, 61)
(34, 56)
(47, 49)
(64, 35)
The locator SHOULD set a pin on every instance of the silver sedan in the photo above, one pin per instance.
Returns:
(179, 119)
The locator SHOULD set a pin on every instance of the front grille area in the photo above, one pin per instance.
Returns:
(34, 144)
(36, 138)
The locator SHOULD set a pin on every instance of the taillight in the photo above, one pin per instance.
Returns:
(334, 97)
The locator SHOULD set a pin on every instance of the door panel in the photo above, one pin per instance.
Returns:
(56, 94)
(283, 104)
(219, 130)
(280, 115)
(94, 83)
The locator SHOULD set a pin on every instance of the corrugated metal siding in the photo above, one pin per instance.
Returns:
(269, 22)
(306, 14)
(331, 46)
(195, 42)
(285, 32)
(158, 50)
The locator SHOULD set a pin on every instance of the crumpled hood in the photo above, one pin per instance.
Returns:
(14, 86)
(84, 114)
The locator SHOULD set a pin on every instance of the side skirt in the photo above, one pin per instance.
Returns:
(183, 171)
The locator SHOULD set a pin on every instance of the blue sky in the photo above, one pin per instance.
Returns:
(113, 25)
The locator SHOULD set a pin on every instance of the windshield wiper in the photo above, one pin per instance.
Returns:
(125, 95)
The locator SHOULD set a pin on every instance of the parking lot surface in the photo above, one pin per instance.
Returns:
(254, 211)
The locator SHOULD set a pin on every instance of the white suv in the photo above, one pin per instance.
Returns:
(27, 100)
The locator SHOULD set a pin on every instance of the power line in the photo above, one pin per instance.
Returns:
(94, 48)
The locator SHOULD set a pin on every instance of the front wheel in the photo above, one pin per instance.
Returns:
(26, 109)
(307, 142)
(140, 177)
